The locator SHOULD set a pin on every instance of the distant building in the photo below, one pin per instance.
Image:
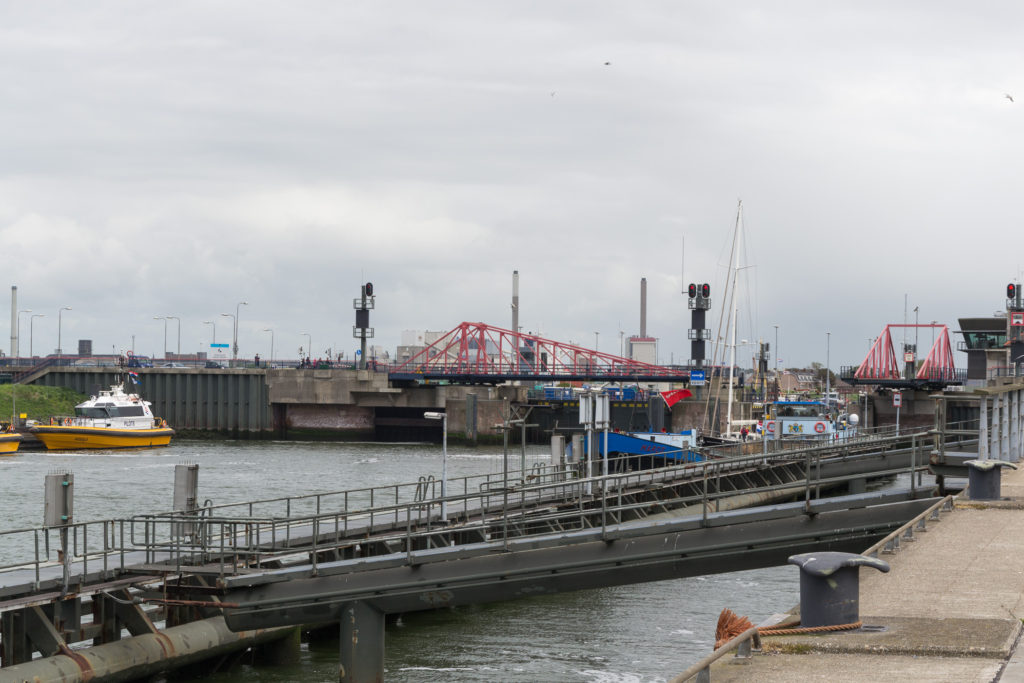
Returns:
(414, 341)
(644, 349)
(798, 382)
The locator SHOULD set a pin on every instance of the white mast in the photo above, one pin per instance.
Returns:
(735, 266)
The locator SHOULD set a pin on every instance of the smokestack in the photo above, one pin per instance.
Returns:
(643, 307)
(515, 301)
(14, 320)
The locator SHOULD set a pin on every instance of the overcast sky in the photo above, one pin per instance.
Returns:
(175, 159)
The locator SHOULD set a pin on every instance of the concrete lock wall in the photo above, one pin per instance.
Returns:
(189, 399)
(325, 420)
(489, 412)
(690, 413)
(918, 409)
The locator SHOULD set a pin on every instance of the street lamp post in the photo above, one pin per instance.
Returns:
(160, 317)
(31, 329)
(778, 380)
(172, 317)
(444, 460)
(214, 324)
(235, 348)
(271, 331)
(233, 326)
(17, 352)
(828, 366)
(60, 313)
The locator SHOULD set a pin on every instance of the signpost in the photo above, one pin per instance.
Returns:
(697, 378)
(897, 401)
(219, 351)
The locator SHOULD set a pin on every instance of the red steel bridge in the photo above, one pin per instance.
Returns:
(477, 353)
(881, 367)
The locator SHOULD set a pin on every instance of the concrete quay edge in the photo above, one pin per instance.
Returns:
(951, 609)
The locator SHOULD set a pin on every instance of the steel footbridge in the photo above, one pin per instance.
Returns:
(354, 556)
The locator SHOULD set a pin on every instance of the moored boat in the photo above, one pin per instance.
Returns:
(659, 448)
(113, 419)
(9, 443)
(807, 420)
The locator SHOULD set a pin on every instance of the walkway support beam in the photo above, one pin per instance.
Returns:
(362, 644)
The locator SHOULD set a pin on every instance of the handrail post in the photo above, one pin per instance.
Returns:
(913, 462)
(807, 485)
(704, 469)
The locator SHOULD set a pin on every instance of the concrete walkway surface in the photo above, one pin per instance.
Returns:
(949, 610)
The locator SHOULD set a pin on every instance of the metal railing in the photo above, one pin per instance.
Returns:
(406, 518)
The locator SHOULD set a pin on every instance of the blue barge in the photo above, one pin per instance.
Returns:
(674, 446)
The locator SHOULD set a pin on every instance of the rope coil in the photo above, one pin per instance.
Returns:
(731, 625)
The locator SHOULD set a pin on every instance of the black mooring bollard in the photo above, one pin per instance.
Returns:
(984, 481)
(830, 587)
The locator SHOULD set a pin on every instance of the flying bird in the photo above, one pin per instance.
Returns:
(1008, 96)
(607, 63)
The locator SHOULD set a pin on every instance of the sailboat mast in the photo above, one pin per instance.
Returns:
(732, 321)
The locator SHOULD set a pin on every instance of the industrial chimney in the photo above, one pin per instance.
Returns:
(14, 320)
(643, 307)
(515, 301)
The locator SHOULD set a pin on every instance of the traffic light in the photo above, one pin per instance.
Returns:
(705, 290)
(1011, 291)
(369, 289)
(693, 291)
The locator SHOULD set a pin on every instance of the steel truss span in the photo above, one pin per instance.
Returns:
(882, 367)
(480, 353)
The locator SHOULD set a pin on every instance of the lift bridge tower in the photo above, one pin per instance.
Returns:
(1015, 325)
(362, 330)
(699, 334)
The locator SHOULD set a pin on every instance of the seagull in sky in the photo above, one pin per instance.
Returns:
(607, 63)
(1008, 96)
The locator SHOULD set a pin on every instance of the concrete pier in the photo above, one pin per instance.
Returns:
(950, 609)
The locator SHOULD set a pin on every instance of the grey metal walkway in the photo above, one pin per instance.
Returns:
(310, 558)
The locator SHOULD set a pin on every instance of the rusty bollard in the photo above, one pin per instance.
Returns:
(830, 587)
(984, 481)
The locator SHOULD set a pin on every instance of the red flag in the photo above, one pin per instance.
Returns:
(675, 396)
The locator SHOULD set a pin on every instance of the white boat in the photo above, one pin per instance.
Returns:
(808, 420)
(113, 419)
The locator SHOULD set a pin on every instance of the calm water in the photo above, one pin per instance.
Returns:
(642, 633)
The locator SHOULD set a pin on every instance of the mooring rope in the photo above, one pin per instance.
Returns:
(731, 625)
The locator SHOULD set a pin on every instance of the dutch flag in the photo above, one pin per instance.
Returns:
(134, 377)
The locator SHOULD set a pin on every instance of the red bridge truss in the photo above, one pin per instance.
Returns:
(882, 366)
(476, 352)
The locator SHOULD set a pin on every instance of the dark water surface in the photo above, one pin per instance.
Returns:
(640, 633)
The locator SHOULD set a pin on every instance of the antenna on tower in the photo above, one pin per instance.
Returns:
(682, 268)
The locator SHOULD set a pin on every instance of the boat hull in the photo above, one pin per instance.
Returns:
(9, 444)
(75, 438)
(657, 445)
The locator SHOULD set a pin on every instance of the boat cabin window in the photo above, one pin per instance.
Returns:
(95, 412)
(799, 411)
(108, 410)
(130, 411)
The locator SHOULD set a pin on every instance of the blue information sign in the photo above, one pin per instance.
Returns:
(697, 377)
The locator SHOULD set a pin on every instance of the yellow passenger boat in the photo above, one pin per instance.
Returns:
(113, 419)
(9, 443)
